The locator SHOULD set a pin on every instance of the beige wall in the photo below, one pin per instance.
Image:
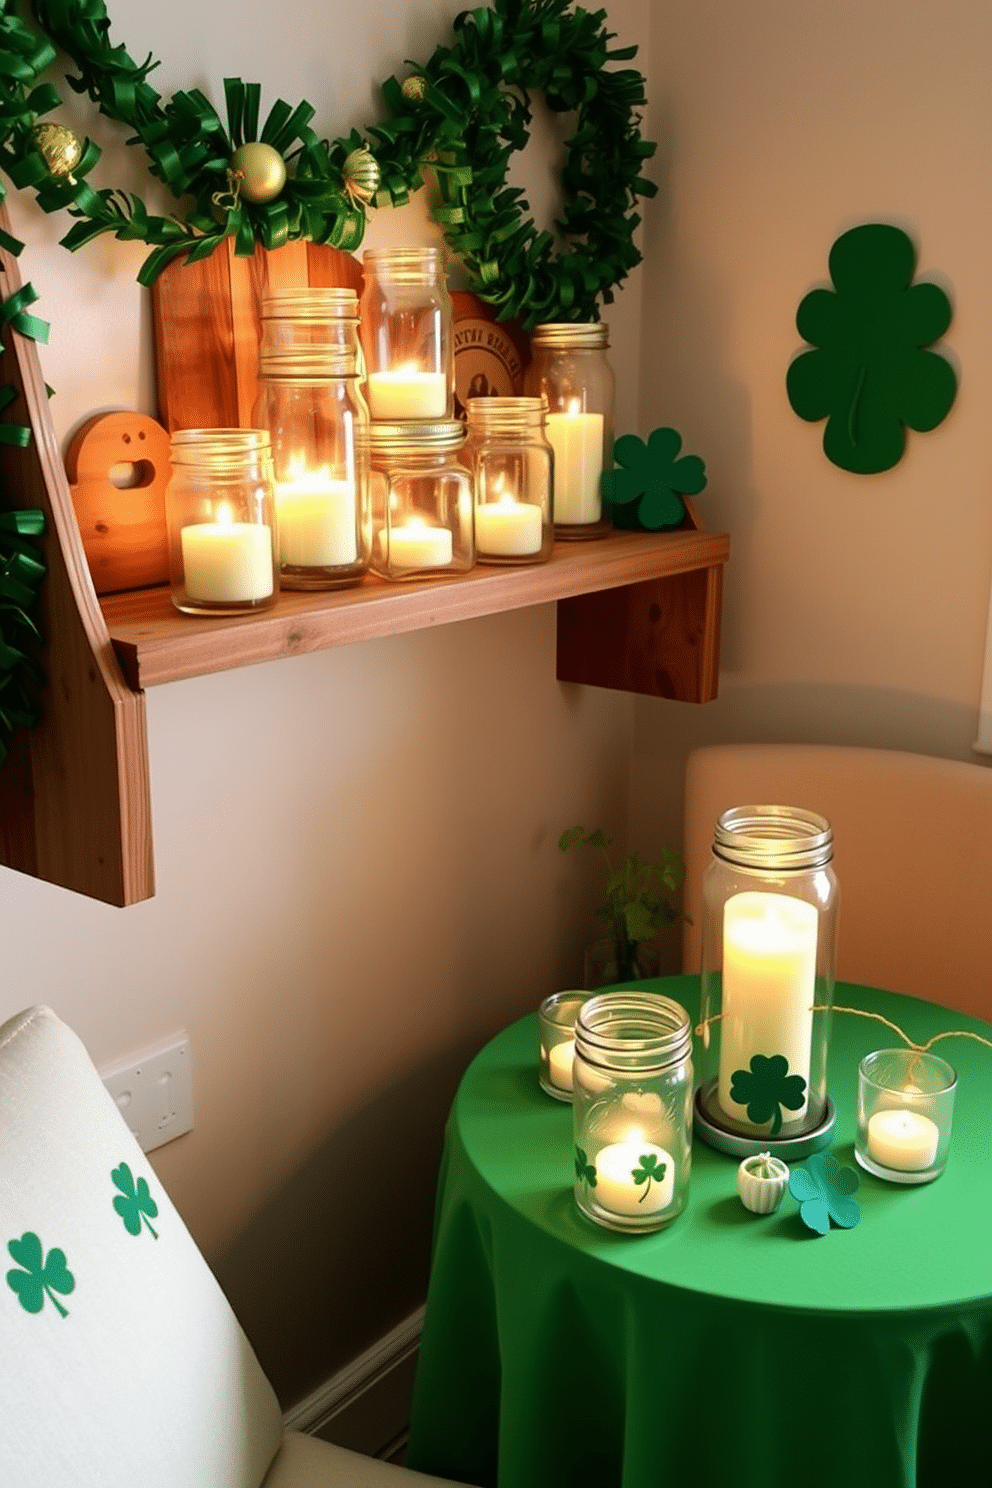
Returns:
(856, 605)
(358, 877)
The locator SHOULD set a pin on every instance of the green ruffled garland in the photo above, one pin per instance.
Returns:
(463, 115)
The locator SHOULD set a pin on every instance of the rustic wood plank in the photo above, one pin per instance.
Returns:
(75, 804)
(157, 645)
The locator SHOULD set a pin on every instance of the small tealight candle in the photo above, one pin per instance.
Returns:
(508, 528)
(417, 545)
(561, 1058)
(407, 393)
(227, 562)
(903, 1140)
(622, 1164)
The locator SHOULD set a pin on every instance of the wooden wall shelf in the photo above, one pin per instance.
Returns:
(636, 611)
(155, 644)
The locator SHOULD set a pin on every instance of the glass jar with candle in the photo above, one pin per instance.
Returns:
(556, 1048)
(905, 1109)
(513, 465)
(632, 1109)
(569, 367)
(407, 335)
(421, 500)
(769, 921)
(311, 402)
(220, 516)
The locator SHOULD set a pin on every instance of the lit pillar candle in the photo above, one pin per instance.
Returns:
(507, 528)
(561, 1059)
(769, 982)
(316, 518)
(618, 1168)
(407, 393)
(227, 562)
(577, 441)
(416, 545)
(903, 1140)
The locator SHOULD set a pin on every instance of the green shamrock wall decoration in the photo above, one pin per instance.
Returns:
(39, 1276)
(646, 492)
(765, 1088)
(134, 1203)
(824, 1190)
(870, 375)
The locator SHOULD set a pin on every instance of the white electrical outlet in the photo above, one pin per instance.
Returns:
(155, 1093)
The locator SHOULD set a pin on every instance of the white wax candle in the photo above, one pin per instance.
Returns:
(903, 1140)
(416, 545)
(227, 562)
(769, 981)
(561, 1058)
(508, 528)
(577, 441)
(615, 1188)
(407, 394)
(316, 517)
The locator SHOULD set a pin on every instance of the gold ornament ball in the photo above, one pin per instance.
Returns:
(59, 148)
(260, 171)
(414, 88)
(361, 175)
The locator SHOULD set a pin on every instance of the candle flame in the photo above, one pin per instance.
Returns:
(574, 407)
(224, 515)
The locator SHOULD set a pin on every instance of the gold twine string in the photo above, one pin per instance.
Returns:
(702, 1028)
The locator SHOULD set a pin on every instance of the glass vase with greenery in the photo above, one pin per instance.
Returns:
(640, 897)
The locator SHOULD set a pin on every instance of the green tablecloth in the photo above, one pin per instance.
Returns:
(731, 1350)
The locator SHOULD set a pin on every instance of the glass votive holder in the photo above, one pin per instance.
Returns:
(421, 501)
(556, 1022)
(905, 1109)
(632, 1110)
(407, 334)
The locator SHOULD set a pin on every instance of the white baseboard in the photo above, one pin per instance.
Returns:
(364, 1406)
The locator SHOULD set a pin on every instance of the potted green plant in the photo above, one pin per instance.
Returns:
(640, 898)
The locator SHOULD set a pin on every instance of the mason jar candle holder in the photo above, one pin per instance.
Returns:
(513, 465)
(905, 1110)
(571, 370)
(556, 1026)
(407, 335)
(220, 518)
(632, 1110)
(421, 501)
(311, 402)
(769, 937)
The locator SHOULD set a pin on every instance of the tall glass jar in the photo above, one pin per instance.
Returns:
(632, 1109)
(570, 368)
(311, 402)
(421, 500)
(407, 335)
(769, 930)
(513, 465)
(220, 516)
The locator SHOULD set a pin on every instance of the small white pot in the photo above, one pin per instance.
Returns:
(761, 1181)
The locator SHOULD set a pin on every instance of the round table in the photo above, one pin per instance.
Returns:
(730, 1350)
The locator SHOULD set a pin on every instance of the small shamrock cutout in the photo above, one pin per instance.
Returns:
(134, 1203)
(648, 1169)
(823, 1189)
(870, 376)
(584, 1170)
(766, 1088)
(645, 491)
(40, 1277)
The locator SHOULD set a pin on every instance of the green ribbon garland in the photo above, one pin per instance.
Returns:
(21, 573)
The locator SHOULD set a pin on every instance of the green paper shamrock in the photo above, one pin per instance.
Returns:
(870, 376)
(584, 1170)
(40, 1277)
(645, 493)
(823, 1188)
(135, 1202)
(646, 1170)
(766, 1088)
